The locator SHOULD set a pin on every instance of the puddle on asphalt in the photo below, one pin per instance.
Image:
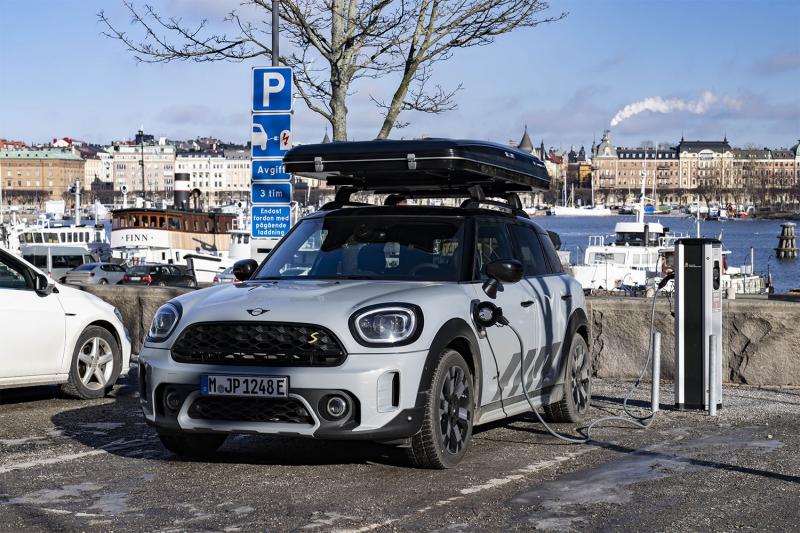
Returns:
(558, 502)
(69, 495)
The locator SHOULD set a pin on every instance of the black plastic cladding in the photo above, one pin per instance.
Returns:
(288, 411)
(258, 344)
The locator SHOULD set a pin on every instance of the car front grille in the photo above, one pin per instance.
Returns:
(258, 344)
(267, 410)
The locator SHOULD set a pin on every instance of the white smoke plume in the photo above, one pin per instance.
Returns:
(656, 104)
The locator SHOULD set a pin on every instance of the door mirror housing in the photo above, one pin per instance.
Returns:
(41, 283)
(244, 269)
(503, 271)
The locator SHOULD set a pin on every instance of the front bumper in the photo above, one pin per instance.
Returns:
(381, 389)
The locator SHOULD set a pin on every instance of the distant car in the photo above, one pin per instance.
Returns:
(57, 334)
(96, 274)
(159, 276)
(226, 276)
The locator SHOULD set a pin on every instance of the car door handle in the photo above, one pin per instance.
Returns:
(527, 303)
(566, 296)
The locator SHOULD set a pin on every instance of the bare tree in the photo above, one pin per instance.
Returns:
(334, 43)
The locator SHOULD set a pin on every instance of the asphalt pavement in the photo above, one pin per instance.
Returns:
(69, 465)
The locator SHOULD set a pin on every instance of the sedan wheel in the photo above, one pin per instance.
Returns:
(96, 364)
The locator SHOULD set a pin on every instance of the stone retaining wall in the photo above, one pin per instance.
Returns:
(759, 336)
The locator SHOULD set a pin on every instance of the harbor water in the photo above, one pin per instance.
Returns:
(737, 236)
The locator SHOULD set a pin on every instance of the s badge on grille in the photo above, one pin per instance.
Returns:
(313, 338)
(257, 311)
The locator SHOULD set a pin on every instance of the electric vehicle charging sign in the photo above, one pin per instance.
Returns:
(269, 169)
(271, 135)
(270, 221)
(272, 193)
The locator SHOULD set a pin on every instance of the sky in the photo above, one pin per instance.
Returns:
(663, 69)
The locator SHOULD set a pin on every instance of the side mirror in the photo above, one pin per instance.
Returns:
(42, 284)
(244, 268)
(503, 271)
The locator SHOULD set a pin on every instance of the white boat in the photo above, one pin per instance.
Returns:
(570, 209)
(580, 211)
(631, 259)
(89, 238)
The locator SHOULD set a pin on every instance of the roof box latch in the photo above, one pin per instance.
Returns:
(412, 161)
(318, 166)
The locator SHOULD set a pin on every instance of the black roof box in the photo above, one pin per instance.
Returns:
(424, 164)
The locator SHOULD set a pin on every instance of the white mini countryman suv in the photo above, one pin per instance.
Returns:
(376, 322)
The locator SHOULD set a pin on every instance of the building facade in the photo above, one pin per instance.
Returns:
(697, 172)
(219, 177)
(159, 168)
(31, 177)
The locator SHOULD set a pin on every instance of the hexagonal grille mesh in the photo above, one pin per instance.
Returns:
(249, 410)
(258, 344)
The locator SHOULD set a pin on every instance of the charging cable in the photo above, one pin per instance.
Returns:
(640, 422)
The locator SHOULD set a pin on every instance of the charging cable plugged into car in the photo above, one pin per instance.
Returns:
(486, 314)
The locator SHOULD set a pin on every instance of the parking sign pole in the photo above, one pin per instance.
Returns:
(275, 34)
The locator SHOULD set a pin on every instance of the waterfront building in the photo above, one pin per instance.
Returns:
(697, 172)
(33, 176)
(159, 167)
(219, 177)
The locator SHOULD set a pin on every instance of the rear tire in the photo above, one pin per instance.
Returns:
(446, 428)
(96, 364)
(191, 284)
(192, 445)
(103, 282)
(161, 284)
(577, 387)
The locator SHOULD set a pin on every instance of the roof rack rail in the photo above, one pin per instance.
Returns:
(476, 199)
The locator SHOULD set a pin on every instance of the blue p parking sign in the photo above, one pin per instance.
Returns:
(272, 89)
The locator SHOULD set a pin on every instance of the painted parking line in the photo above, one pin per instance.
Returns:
(494, 483)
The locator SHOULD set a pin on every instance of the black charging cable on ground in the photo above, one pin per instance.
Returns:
(640, 422)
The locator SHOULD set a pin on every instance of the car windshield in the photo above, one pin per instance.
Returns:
(139, 270)
(390, 248)
(88, 266)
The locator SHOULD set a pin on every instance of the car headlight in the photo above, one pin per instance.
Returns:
(387, 324)
(118, 315)
(164, 322)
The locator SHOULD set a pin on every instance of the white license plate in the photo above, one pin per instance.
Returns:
(134, 278)
(260, 386)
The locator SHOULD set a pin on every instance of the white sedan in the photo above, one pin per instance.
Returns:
(51, 333)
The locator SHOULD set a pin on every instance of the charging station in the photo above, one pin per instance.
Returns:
(698, 324)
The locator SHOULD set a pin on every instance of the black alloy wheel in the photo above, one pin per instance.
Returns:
(446, 430)
(454, 409)
(577, 387)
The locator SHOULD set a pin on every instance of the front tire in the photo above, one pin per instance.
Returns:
(446, 428)
(194, 445)
(96, 364)
(574, 404)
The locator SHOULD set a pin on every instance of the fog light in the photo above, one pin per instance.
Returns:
(172, 400)
(336, 407)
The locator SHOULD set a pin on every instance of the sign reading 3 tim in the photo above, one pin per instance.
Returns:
(272, 193)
